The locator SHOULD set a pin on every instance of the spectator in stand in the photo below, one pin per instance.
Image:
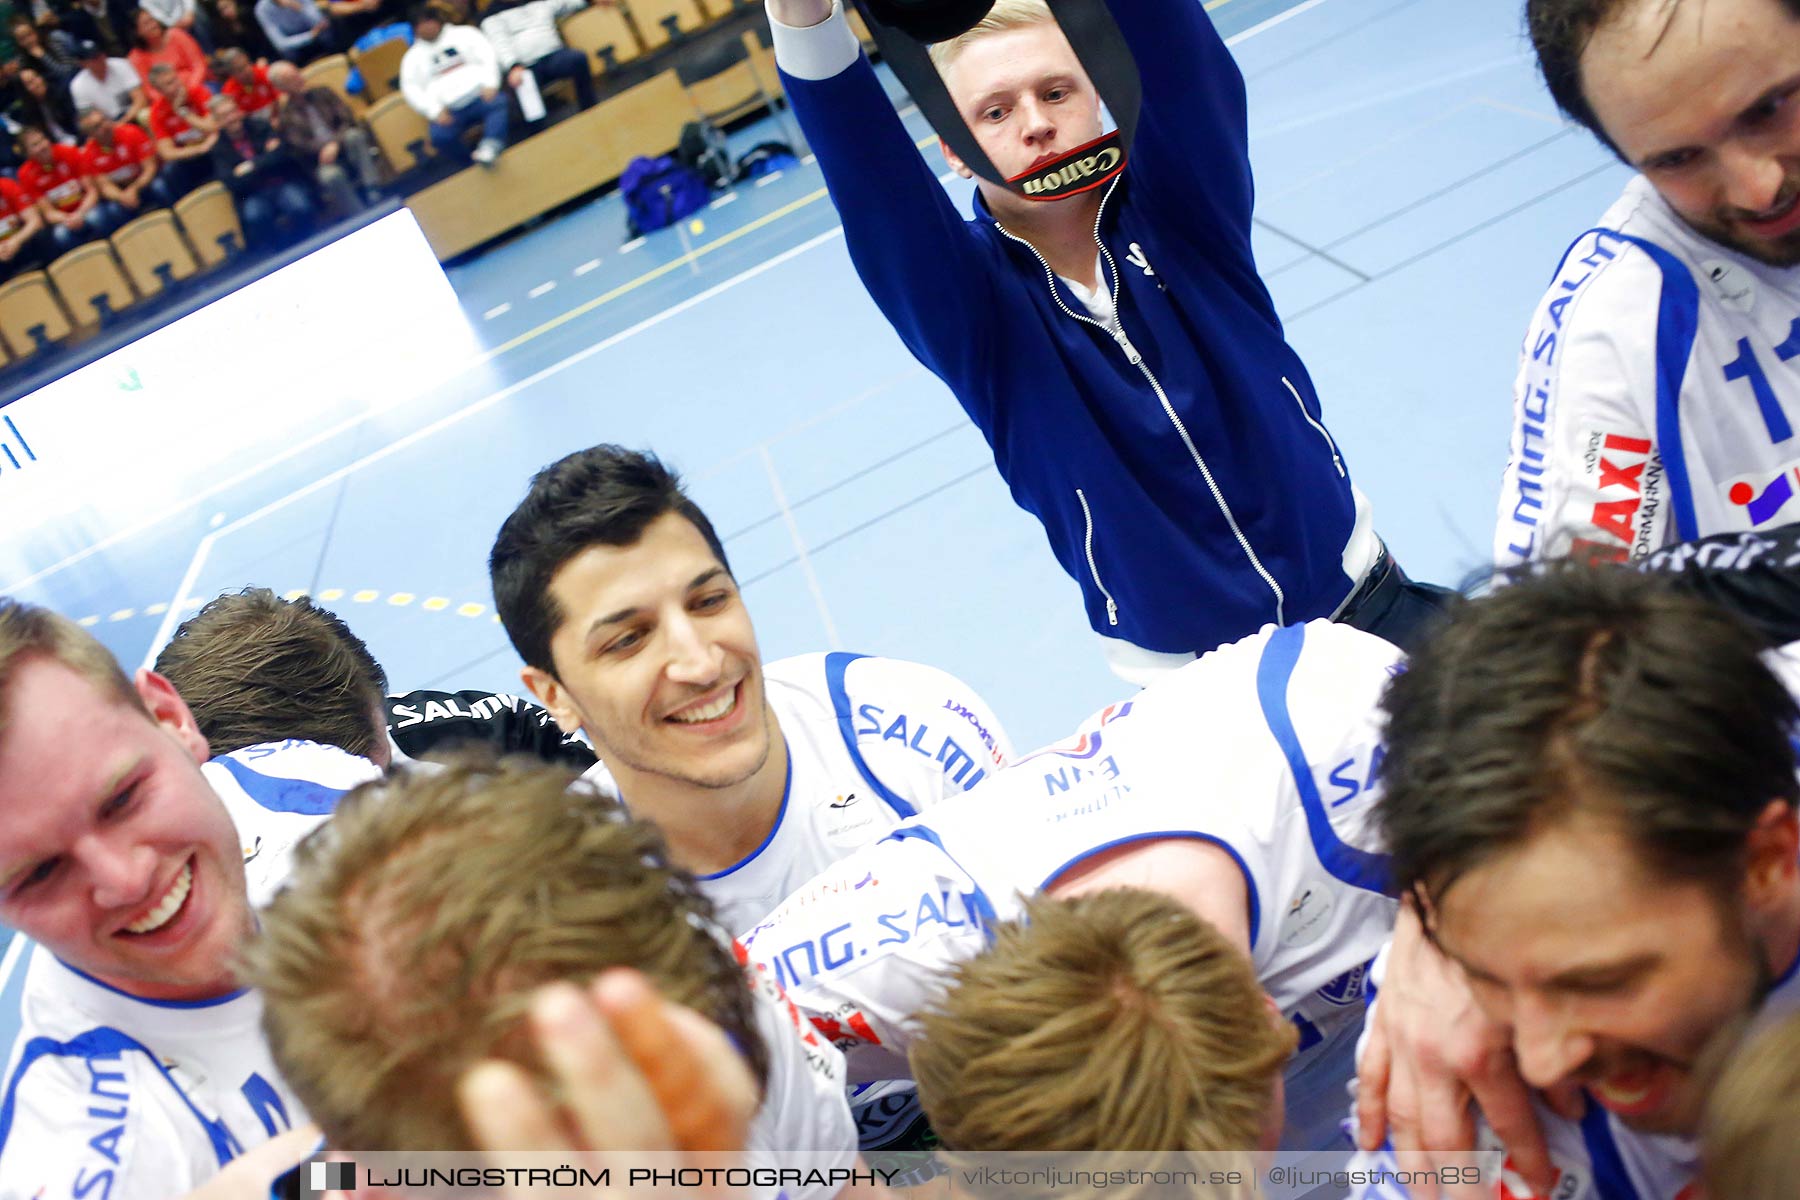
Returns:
(121, 160)
(46, 106)
(159, 43)
(352, 18)
(180, 14)
(246, 82)
(52, 55)
(272, 202)
(21, 230)
(183, 130)
(232, 26)
(317, 127)
(524, 35)
(57, 176)
(298, 29)
(106, 23)
(451, 75)
(109, 84)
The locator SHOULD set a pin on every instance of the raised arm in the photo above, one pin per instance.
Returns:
(1192, 141)
(911, 247)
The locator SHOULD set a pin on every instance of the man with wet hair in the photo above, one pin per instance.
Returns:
(1589, 797)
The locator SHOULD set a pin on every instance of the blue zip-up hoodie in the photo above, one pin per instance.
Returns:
(1181, 470)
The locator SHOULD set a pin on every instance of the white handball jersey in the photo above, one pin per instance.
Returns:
(804, 1122)
(109, 1097)
(1657, 397)
(871, 742)
(1266, 748)
(277, 793)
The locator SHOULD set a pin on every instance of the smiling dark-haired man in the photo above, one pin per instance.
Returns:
(1660, 379)
(616, 591)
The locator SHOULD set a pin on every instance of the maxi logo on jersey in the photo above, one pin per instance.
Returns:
(1627, 475)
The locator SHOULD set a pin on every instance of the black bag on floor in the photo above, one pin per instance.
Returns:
(703, 148)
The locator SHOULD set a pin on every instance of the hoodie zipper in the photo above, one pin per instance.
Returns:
(1087, 515)
(1309, 420)
(1117, 333)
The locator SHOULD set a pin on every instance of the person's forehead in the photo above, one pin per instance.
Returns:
(54, 719)
(665, 560)
(1654, 72)
(1576, 891)
(1010, 56)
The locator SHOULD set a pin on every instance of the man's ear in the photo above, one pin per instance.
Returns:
(956, 164)
(554, 697)
(1773, 852)
(170, 711)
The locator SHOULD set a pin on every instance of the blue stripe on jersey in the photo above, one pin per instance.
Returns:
(1165, 835)
(1611, 1182)
(787, 786)
(1677, 322)
(1359, 868)
(836, 663)
(984, 908)
(227, 998)
(283, 795)
(105, 1042)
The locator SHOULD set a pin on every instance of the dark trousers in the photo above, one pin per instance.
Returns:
(275, 214)
(183, 175)
(97, 223)
(1394, 607)
(34, 255)
(568, 64)
(491, 115)
(154, 196)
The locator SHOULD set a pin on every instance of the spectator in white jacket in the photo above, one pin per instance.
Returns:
(451, 75)
(525, 37)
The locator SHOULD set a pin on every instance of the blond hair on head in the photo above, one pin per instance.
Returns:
(1750, 1136)
(1115, 1021)
(29, 629)
(1005, 15)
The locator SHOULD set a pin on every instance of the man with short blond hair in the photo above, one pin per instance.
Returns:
(133, 862)
(1115, 344)
(1164, 1039)
(414, 929)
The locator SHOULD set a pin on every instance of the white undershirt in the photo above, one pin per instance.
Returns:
(1097, 300)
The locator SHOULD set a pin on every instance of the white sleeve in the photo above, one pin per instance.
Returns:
(481, 55)
(920, 735)
(71, 1138)
(865, 945)
(415, 82)
(1582, 476)
(805, 1109)
(494, 28)
(278, 793)
(815, 51)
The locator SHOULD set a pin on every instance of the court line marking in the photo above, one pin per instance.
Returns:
(514, 343)
(6, 966)
(204, 549)
(800, 553)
